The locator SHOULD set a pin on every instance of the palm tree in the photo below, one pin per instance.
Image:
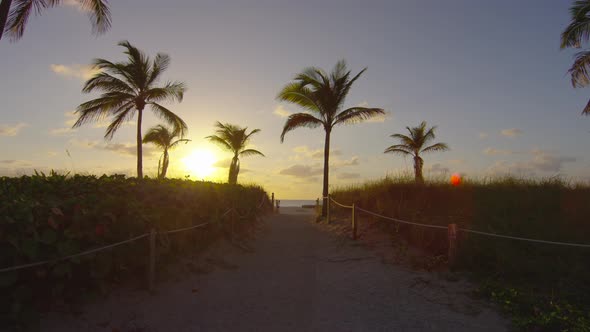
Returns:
(413, 145)
(13, 18)
(322, 96)
(128, 87)
(234, 139)
(577, 32)
(163, 138)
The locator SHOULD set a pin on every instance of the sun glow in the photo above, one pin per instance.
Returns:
(200, 163)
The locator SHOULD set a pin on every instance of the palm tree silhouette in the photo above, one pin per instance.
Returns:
(163, 138)
(577, 32)
(322, 96)
(234, 139)
(128, 87)
(413, 145)
(13, 19)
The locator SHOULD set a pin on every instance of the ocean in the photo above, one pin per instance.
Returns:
(296, 202)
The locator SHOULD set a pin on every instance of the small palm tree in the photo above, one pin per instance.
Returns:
(163, 138)
(234, 139)
(576, 33)
(128, 87)
(14, 14)
(413, 145)
(322, 96)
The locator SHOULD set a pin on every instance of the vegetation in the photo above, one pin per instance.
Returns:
(544, 287)
(165, 139)
(14, 18)
(235, 139)
(574, 35)
(129, 87)
(413, 145)
(46, 217)
(323, 96)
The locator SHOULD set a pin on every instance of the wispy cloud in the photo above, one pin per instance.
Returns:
(11, 130)
(70, 119)
(78, 71)
(354, 161)
(281, 111)
(438, 168)
(540, 161)
(512, 132)
(304, 152)
(483, 135)
(349, 176)
(125, 149)
(301, 171)
(494, 151)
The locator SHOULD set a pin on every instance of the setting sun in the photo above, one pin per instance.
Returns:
(200, 163)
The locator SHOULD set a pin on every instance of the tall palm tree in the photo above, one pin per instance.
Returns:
(14, 14)
(128, 87)
(322, 95)
(234, 139)
(576, 33)
(165, 139)
(413, 145)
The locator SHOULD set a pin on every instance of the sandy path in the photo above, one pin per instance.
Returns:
(298, 278)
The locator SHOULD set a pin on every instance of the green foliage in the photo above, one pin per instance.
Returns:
(47, 217)
(543, 286)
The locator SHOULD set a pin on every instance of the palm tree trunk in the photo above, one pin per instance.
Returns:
(139, 146)
(418, 163)
(4, 9)
(326, 173)
(165, 164)
(233, 170)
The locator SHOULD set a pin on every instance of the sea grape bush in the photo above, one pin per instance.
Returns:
(46, 217)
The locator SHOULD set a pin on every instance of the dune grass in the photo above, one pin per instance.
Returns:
(544, 287)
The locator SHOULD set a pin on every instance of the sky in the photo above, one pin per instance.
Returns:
(489, 74)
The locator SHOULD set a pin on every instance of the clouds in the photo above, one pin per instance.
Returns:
(124, 149)
(11, 130)
(302, 171)
(512, 132)
(303, 152)
(70, 119)
(281, 111)
(494, 151)
(539, 161)
(438, 169)
(348, 176)
(83, 72)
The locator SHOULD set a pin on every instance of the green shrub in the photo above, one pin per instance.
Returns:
(47, 217)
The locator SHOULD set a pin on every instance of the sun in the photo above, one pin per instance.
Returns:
(200, 163)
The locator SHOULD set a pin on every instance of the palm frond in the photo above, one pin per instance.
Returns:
(100, 108)
(178, 141)
(299, 95)
(398, 149)
(436, 147)
(161, 63)
(578, 31)
(125, 114)
(298, 120)
(99, 13)
(219, 141)
(106, 82)
(579, 70)
(406, 140)
(172, 91)
(179, 126)
(357, 114)
(251, 152)
(19, 16)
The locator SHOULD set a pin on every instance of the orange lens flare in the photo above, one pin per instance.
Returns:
(455, 179)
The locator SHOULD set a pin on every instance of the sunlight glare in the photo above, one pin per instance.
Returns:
(200, 163)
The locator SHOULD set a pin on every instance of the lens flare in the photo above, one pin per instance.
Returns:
(455, 179)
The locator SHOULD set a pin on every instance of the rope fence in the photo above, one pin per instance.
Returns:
(451, 228)
(152, 235)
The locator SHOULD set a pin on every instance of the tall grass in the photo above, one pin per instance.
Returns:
(545, 278)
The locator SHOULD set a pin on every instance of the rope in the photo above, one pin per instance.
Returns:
(341, 205)
(469, 230)
(88, 252)
(525, 239)
(401, 221)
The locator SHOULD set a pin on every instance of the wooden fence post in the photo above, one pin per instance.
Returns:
(328, 210)
(452, 231)
(152, 262)
(354, 236)
(272, 202)
(317, 209)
